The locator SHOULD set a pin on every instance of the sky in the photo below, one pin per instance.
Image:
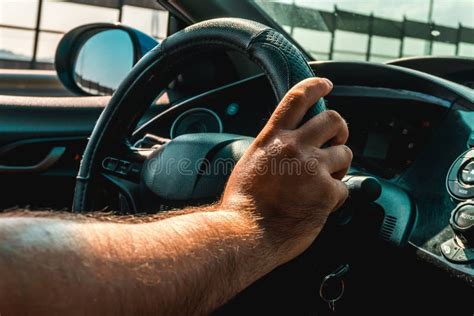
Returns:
(58, 15)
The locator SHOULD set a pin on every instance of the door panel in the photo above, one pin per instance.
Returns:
(41, 144)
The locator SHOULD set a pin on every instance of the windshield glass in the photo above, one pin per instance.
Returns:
(376, 30)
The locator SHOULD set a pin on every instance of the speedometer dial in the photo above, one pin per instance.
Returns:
(197, 120)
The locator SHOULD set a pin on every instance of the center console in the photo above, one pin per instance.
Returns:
(460, 184)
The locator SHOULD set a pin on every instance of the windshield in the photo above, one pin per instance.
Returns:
(376, 30)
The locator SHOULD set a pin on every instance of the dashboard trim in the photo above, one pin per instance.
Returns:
(150, 122)
(387, 93)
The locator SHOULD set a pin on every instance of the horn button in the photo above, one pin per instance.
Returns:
(193, 166)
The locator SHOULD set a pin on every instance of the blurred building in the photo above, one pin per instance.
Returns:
(29, 40)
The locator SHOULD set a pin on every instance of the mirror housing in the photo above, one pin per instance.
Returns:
(81, 61)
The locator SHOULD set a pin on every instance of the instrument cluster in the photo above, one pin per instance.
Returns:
(386, 135)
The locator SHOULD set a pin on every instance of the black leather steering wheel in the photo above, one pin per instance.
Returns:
(283, 64)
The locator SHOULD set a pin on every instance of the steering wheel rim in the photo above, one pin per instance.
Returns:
(283, 64)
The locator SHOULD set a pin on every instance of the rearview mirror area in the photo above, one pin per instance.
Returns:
(93, 59)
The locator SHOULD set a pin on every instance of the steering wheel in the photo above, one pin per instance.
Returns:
(147, 177)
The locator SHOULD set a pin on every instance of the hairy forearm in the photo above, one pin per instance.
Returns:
(186, 264)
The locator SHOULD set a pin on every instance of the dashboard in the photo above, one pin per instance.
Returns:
(386, 135)
(388, 127)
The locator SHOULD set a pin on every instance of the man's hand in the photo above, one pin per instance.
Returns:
(287, 177)
(275, 203)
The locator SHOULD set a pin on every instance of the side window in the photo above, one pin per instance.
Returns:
(29, 40)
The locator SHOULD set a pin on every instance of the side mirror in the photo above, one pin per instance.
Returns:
(93, 59)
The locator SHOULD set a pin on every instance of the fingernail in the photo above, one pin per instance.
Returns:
(329, 82)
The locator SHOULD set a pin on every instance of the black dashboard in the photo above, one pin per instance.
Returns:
(385, 140)
(388, 126)
(386, 134)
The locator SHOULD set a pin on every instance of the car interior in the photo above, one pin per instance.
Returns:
(402, 242)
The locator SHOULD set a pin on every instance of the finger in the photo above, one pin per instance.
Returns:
(342, 193)
(337, 158)
(297, 102)
(326, 127)
(340, 174)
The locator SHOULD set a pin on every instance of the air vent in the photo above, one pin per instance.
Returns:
(389, 224)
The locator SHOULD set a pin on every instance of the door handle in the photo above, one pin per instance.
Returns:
(51, 158)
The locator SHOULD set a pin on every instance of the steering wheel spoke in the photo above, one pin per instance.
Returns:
(122, 168)
(128, 193)
(123, 172)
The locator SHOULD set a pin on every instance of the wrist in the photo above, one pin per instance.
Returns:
(283, 236)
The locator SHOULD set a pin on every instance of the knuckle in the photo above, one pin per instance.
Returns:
(290, 144)
(318, 153)
(296, 95)
(290, 148)
(320, 84)
(284, 144)
(265, 136)
(348, 152)
(334, 117)
(340, 124)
